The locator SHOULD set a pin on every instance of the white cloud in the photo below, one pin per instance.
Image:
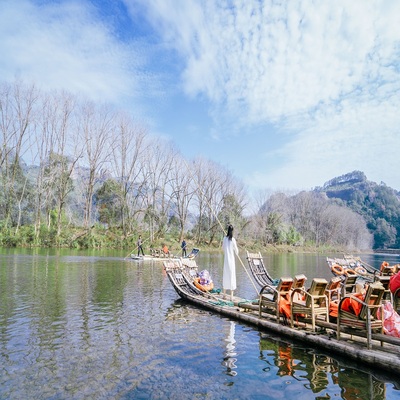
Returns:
(279, 60)
(325, 73)
(65, 45)
(364, 137)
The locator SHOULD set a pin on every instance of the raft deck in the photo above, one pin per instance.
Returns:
(384, 354)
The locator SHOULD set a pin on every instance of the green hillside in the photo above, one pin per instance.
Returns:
(377, 203)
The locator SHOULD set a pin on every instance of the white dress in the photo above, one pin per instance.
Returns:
(229, 275)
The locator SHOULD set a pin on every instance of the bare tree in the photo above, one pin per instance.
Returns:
(58, 151)
(200, 178)
(129, 149)
(317, 219)
(40, 148)
(158, 166)
(182, 191)
(214, 184)
(346, 228)
(299, 209)
(95, 130)
(234, 202)
(17, 103)
(270, 217)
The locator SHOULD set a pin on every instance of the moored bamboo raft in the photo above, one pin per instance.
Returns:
(344, 267)
(383, 354)
(158, 255)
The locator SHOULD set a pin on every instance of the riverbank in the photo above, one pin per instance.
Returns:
(98, 237)
(283, 248)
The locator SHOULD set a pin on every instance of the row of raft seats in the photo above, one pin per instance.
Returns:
(389, 276)
(347, 302)
(384, 275)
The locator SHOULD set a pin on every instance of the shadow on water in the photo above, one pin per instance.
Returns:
(320, 372)
(288, 364)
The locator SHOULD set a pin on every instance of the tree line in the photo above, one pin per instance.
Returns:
(94, 167)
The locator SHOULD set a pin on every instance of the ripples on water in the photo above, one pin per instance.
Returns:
(76, 326)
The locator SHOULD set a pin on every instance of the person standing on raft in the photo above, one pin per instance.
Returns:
(140, 246)
(230, 249)
(183, 247)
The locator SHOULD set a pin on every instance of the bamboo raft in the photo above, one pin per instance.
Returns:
(376, 350)
(350, 265)
(158, 255)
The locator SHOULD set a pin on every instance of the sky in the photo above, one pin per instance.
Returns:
(285, 94)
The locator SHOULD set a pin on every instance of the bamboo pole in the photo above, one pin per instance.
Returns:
(136, 248)
(219, 222)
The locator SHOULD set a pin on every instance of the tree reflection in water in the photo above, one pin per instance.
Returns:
(229, 359)
(319, 372)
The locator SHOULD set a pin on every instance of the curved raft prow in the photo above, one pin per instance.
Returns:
(182, 279)
(176, 274)
(258, 269)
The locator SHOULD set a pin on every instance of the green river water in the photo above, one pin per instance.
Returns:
(94, 325)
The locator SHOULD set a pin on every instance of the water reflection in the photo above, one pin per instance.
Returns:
(319, 373)
(229, 353)
(82, 326)
(354, 386)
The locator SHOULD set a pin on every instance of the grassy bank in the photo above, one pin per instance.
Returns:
(98, 237)
(265, 249)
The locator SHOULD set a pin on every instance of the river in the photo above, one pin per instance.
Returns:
(94, 325)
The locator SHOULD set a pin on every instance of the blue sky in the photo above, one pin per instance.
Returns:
(286, 95)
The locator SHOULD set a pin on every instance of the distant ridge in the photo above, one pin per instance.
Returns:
(379, 204)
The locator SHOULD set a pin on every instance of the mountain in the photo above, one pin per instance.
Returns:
(377, 203)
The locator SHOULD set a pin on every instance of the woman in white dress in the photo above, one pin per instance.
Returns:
(230, 249)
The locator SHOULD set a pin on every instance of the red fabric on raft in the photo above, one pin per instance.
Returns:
(333, 309)
(394, 283)
(352, 305)
(391, 320)
(284, 304)
(348, 304)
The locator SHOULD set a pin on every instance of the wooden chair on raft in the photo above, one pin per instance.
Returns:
(175, 266)
(270, 297)
(383, 275)
(349, 285)
(154, 252)
(333, 289)
(310, 303)
(385, 281)
(299, 281)
(361, 314)
(386, 269)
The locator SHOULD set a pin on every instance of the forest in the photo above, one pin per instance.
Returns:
(78, 174)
